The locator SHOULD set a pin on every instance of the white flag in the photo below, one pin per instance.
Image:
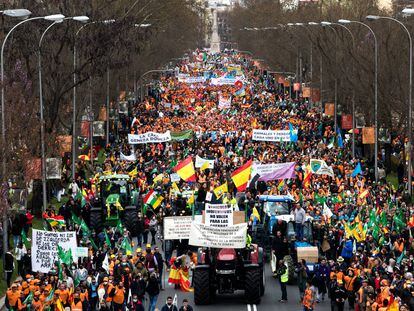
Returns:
(327, 211)
(131, 157)
(105, 264)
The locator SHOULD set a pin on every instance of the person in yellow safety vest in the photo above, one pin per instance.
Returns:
(283, 276)
(309, 297)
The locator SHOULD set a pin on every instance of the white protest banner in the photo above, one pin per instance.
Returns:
(229, 237)
(44, 248)
(272, 135)
(200, 161)
(174, 177)
(219, 215)
(149, 137)
(224, 102)
(124, 157)
(177, 227)
(190, 80)
(82, 252)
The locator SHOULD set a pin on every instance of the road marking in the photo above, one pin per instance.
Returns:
(249, 308)
(254, 308)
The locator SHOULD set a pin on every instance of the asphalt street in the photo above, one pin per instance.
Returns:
(236, 301)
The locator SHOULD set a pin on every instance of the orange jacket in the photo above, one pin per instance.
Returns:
(119, 296)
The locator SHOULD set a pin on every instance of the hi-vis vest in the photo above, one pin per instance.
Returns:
(285, 276)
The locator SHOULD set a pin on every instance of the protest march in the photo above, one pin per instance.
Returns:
(218, 156)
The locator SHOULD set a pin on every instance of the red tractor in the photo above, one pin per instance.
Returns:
(227, 270)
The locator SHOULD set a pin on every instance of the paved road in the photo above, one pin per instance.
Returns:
(236, 302)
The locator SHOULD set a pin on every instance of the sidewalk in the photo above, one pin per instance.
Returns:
(2, 300)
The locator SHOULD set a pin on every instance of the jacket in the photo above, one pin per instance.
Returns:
(169, 308)
(153, 286)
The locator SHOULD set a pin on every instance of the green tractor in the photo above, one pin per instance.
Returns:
(116, 201)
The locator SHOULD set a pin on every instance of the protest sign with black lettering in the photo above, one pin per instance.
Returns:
(272, 135)
(44, 248)
(149, 137)
(177, 227)
(219, 215)
(229, 237)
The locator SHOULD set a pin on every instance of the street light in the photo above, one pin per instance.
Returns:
(42, 122)
(18, 13)
(105, 22)
(410, 87)
(346, 21)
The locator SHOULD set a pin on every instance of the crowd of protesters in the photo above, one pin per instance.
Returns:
(364, 241)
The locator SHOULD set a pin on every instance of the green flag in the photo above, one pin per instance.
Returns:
(25, 240)
(401, 257)
(64, 256)
(126, 246)
(52, 293)
(28, 299)
(107, 240)
(119, 226)
(399, 222)
(383, 219)
(76, 219)
(85, 229)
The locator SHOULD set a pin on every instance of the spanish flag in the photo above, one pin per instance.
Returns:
(241, 176)
(218, 191)
(185, 169)
(308, 175)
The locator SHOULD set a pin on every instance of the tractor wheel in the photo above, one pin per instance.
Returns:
(262, 281)
(201, 283)
(253, 282)
(130, 220)
(291, 268)
(95, 220)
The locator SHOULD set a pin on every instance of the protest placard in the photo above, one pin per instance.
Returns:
(200, 161)
(272, 135)
(149, 137)
(44, 248)
(53, 168)
(177, 227)
(219, 215)
(229, 237)
(81, 252)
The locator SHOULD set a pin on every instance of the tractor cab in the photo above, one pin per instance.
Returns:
(116, 200)
(270, 207)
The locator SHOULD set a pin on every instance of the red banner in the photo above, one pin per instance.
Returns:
(33, 169)
(316, 95)
(85, 128)
(346, 121)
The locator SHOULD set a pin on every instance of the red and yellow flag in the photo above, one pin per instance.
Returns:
(185, 169)
(241, 176)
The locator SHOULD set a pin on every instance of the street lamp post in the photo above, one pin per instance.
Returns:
(410, 90)
(75, 89)
(353, 92)
(345, 21)
(42, 121)
(21, 13)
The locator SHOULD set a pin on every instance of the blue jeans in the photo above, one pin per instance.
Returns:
(152, 302)
(299, 231)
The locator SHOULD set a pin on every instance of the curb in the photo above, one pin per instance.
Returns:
(2, 303)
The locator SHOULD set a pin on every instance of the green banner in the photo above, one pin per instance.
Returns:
(182, 135)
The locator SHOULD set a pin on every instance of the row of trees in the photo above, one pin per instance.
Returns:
(126, 50)
(353, 66)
